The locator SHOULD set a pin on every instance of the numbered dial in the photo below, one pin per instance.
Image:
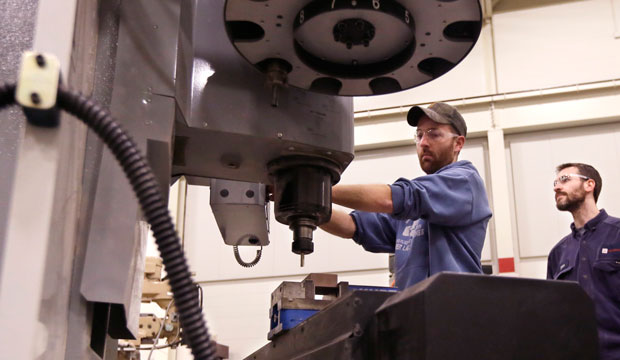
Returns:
(354, 40)
(355, 47)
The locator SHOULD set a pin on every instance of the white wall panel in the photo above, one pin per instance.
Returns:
(534, 268)
(512, 207)
(615, 4)
(534, 158)
(472, 77)
(550, 43)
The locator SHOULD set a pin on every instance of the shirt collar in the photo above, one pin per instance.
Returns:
(454, 164)
(591, 225)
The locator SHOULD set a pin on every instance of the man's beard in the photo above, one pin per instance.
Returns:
(571, 202)
(439, 160)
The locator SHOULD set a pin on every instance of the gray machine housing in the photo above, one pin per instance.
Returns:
(227, 127)
(144, 61)
(241, 210)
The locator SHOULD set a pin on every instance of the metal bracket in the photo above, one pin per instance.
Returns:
(37, 88)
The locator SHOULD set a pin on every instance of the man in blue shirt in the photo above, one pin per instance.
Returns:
(590, 254)
(432, 223)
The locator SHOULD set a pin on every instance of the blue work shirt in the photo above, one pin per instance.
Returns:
(591, 257)
(438, 224)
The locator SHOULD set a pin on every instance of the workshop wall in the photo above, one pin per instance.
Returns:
(541, 44)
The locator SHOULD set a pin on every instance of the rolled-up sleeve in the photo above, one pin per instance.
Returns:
(446, 198)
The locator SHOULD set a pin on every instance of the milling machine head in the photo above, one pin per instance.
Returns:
(302, 195)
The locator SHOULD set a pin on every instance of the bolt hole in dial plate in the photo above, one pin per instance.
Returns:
(355, 47)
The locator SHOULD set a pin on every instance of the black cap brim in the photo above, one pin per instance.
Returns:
(416, 112)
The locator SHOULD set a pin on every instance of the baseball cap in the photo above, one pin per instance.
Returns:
(441, 113)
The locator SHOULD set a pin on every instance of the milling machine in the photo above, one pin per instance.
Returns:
(240, 95)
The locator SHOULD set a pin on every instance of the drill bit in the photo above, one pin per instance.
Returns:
(302, 260)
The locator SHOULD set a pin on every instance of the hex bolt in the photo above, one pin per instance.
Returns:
(357, 330)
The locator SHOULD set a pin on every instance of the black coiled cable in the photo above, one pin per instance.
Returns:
(154, 208)
(259, 252)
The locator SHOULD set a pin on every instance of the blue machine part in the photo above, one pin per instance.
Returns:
(289, 318)
(285, 319)
(372, 288)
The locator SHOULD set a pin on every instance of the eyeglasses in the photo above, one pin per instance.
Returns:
(566, 178)
(432, 135)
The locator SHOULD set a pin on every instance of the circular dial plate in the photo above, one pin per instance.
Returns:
(408, 42)
(316, 36)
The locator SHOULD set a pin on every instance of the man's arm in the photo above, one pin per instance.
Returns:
(341, 224)
(376, 227)
(369, 197)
